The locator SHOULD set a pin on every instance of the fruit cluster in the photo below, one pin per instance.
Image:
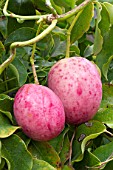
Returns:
(73, 96)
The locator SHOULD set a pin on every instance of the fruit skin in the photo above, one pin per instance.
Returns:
(77, 82)
(39, 112)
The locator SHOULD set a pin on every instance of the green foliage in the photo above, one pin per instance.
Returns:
(87, 146)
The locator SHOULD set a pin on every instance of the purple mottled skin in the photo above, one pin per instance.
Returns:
(39, 112)
(77, 82)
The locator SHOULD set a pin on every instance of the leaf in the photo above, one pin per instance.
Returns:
(64, 154)
(93, 160)
(15, 153)
(6, 129)
(103, 153)
(88, 51)
(105, 115)
(57, 142)
(106, 67)
(104, 23)
(109, 165)
(44, 151)
(6, 105)
(98, 41)
(107, 50)
(15, 71)
(56, 7)
(59, 47)
(2, 48)
(107, 97)
(41, 165)
(25, 32)
(3, 26)
(66, 167)
(22, 71)
(85, 133)
(23, 7)
(110, 10)
(82, 24)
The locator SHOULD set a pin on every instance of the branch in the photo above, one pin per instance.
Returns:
(14, 45)
(20, 17)
(49, 5)
(74, 10)
(47, 16)
(32, 57)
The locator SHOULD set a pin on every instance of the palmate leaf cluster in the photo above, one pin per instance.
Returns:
(88, 146)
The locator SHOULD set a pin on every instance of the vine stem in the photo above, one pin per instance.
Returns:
(32, 57)
(14, 45)
(61, 17)
(74, 10)
(49, 5)
(69, 34)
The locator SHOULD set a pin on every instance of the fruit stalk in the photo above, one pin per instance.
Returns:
(68, 35)
(32, 57)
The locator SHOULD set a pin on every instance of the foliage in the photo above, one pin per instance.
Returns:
(88, 146)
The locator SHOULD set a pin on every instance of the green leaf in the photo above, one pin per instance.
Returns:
(6, 105)
(93, 160)
(107, 97)
(6, 129)
(41, 165)
(3, 26)
(66, 167)
(24, 7)
(104, 23)
(15, 71)
(25, 32)
(109, 165)
(2, 48)
(59, 47)
(85, 133)
(88, 51)
(57, 142)
(22, 71)
(64, 154)
(105, 115)
(110, 10)
(56, 7)
(98, 41)
(106, 67)
(82, 24)
(15, 153)
(107, 50)
(44, 151)
(103, 153)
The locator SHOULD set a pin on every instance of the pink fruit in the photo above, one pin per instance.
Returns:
(77, 82)
(39, 112)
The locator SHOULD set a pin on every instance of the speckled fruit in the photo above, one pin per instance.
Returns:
(77, 82)
(39, 112)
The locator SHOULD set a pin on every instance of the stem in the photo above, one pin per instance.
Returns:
(68, 44)
(74, 10)
(26, 43)
(70, 152)
(32, 57)
(36, 39)
(8, 61)
(69, 33)
(49, 5)
(12, 15)
(50, 16)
